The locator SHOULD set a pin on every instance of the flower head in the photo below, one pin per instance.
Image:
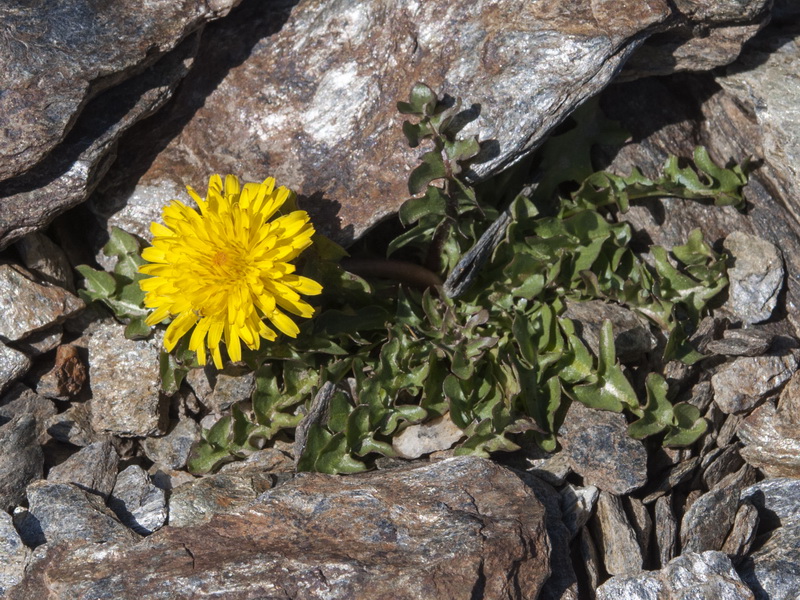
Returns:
(227, 268)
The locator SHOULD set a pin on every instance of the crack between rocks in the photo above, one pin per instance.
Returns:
(191, 555)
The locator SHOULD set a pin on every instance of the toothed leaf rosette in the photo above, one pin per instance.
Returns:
(226, 270)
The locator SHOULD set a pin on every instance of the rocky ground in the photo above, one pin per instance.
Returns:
(101, 130)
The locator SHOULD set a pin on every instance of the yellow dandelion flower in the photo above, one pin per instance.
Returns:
(227, 268)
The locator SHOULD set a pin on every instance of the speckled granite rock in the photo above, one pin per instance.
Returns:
(425, 533)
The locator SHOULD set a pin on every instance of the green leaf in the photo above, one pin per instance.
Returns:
(99, 284)
(689, 426)
(431, 168)
(421, 101)
(137, 329)
(657, 412)
(432, 203)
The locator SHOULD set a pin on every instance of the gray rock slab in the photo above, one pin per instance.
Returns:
(616, 537)
(14, 555)
(73, 426)
(69, 53)
(21, 400)
(741, 342)
(337, 69)
(743, 532)
(766, 81)
(93, 469)
(172, 450)
(577, 506)
(13, 365)
(423, 533)
(196, 502)
(29, 306)
(787, 415)
(601, 451)
(231, 385)
(777, 501)
(41, 341)
(124, 378)
(773, 570)
(562, 583)
(691, 575)
(666, 527)
(767, 448)
(64, 512)
(42, 256)
(425, 438)
(756, 277)
(743, 383)
(137, 502)
(708, 521)
(21, 460)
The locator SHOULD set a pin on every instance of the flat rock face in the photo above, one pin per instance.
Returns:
(707, 575)
(28, 306)
(125, 384)
(600, 450)
(21, 459)
(313, 102)
(86, 46)
(437, 531)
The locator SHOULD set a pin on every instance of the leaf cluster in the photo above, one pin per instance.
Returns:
(119, 290)
(502, 361)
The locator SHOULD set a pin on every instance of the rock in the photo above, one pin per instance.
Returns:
(691, 575)
(137, 502)
(725, 26)
(709, 519)
(342, 67)
(63, 147)
(13, 365)
(200, 380)
(742, 534)
(562, 583)
(21, 460)
(93, 469)
(777, 501)
(21, 400)
(741, 384)
(755, 279)
(40, 255)
(577, 505)
(787, 415)
(425, 438)
(727, 461)
(231, 385)
(67, 377)
(196, 502)
(14, 555)
(172, 450)
(63, 512)
(122, 368)
(666, 526)
(601, 451)
(764, 81)
(741, 342)
(616, 537)
(334, 536)
(632, 336)
(764, 447)
(592, 565)
(772, 570)
(106, 45)
(169, 479)
(675, 476)
(41, 341)
(73, 426)
(640, 521)
(28, 306)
